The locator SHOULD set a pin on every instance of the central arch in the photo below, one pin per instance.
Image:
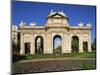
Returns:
(57, 44)
(39, 45)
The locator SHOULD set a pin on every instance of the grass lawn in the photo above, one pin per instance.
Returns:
(66, 55)
(88, 66)
(47, 56)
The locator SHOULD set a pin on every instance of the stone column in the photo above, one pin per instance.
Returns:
(22, 50)
(48, 44)
(45, 43)
(52, 37)
(89, 42)
(64, 43)
(80, 43)
(51, 43)
(32, 45)
(68, 43)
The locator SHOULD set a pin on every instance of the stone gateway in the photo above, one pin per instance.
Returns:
(41, 39)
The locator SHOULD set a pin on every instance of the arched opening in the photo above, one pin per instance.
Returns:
(75, 44)
(85, 46)
(27, 48)
(57, 44)
(39, 45)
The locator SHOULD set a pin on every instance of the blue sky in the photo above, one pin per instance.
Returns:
(37, 12)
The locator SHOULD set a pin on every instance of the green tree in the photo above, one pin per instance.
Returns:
(14, 47)
(59, 47)
(94, 44)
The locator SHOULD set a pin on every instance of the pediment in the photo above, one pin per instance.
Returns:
(57, 16)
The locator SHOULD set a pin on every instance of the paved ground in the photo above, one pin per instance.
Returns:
(49, 65)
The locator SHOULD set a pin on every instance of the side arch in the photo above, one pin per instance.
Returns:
(39, 45)
(75, 44)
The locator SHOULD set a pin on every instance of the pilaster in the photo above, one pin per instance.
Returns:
(32, 47)
(68, 43)
(80, 43)
(89, 42)
(22, 50)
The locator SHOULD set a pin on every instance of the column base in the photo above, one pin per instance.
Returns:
(22, 52)
(48, 52)
(32, 53)
(67, 51)
(89, 50)
(80, 51)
